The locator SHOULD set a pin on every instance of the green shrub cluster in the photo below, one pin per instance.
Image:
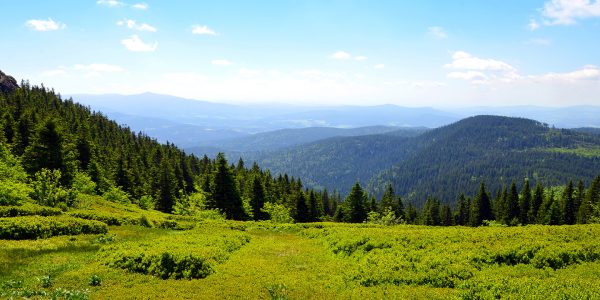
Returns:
(448, 257)
(28, 209)
(108, 218)
(34, 227)
(181, 255)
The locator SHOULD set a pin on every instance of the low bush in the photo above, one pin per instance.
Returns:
(34, 227)
(28, 209)
(181, 255)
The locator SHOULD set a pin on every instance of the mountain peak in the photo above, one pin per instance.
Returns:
(8, 83)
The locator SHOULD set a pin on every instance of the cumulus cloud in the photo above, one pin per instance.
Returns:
(341, 55)
(379, 66)
(132, 24)
(221, 62)
(587, 73)
(44, 25)
(110, 3)
(203, 30)
(465, 61)
(437, 32)
(567, 12)
(135, 44)
(140, 6)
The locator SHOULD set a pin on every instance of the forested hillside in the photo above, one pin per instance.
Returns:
(66, 148)
(445, 161)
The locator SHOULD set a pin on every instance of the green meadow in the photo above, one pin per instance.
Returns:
(154, 255)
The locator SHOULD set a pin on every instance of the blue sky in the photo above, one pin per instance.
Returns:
(323, 52)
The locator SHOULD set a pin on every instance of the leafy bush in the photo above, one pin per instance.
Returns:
(34, 227)
(146, 202)
(278, 213)
(95, 280)
(47, 189)
(388, 217)
(190, 254)
(13, 193)
(117, 195)
(83, 183)
(108, 218)
(28, 209)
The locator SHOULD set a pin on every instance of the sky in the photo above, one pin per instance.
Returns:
(311, 52)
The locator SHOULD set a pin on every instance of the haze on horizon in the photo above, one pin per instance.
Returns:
(330, 52)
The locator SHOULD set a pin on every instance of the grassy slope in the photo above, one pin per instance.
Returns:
(325, 261)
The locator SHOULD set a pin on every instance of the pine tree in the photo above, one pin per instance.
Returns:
(302, 214)
(387, 201)
(257, 199)
(536, 203)
(356, 203)
(167, 195)
(411, 214)
(512, 206)
(225, 193)
(431, 212)
(326, 203)
(480, 208)
(462, 215)
(568, 205)
(446, 216)
(525, 203)
(372, 204)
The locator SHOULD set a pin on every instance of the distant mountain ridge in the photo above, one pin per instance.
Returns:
(456, 157)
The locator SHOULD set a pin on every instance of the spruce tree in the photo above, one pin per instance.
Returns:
(512, 206)
(315, 210)
(568, 205)
(462, 214)
(356, 204)
(536, 203)
(225, 193)
(302, 214)
(480, 208)
(525, 203)
(257, 199)
(387, 201)
(167, 196)
(446, 216)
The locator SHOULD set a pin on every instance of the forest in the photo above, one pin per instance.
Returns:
(87, 204)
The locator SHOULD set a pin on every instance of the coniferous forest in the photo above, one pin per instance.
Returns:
(73, 181)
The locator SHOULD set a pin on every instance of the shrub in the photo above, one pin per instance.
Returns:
(28, 209)
(95, 280)
(278, 213)
(117, 195)
(190, 254)
(83, 183)
(46, 281)
(47, 190)
(34, 227)
(146, 202)
(13, 193)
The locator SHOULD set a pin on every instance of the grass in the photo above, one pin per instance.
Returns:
(262, 260)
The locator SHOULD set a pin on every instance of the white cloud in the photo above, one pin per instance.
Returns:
(110, 3)
(249, 72)
(465, 61)
(567, 12)
(360, 58)
(341, 55)
(98, 68)
(140, 6)
(586, 73)
(379, 66)
(203, 30)
(221, 62)
(132, 24)
(533, 25)
(44, 25)
(135, 44)
(473, 76)
(437, 32)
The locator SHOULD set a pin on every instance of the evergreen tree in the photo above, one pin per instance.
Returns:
(568, 205)
(525, 203)
(446, 216)
(411, 215)
(356, 204)
(326, 203)
(512, 206)
(462, 214)
(315, 210)
(257, 199)
(302, 214)
(372, 204)
(225, 193)
(536, 203)
(387, 201)
(480, 208)
(431, 212)
(167, 195)
(398, 206)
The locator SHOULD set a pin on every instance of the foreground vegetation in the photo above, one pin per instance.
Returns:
(229, 259)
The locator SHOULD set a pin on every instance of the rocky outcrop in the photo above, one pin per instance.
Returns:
(8, 83)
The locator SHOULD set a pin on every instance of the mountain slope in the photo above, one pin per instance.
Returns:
(447, 160)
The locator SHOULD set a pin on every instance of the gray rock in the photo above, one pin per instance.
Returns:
(8, 84)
